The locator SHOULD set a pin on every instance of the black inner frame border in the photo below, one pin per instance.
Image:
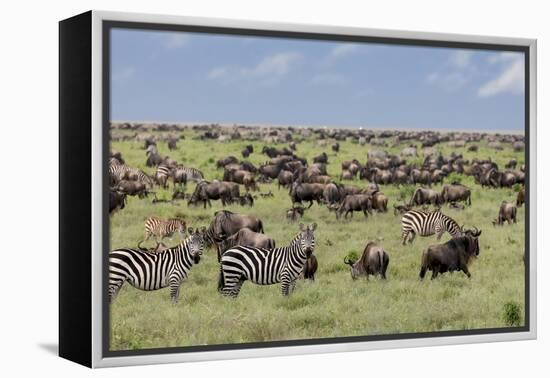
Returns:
(108, 25)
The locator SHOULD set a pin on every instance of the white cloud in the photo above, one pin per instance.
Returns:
(461, 58)
(450, 82)
(344, 49)
(510, 80)
(217, 73)
(274, 65)
(504, 57)
(123, 74)
(328, 79)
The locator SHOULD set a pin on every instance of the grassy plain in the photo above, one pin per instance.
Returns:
(333, 305)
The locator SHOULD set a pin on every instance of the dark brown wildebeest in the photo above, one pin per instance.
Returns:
(451, 256)
(424, 196)
(336, 147)
(520, 199)
(323, 158)
(374, 261)
(132, 188)
(310, 268)
(227, 160)
(355, 202)
(306, 192)
(244, 237)
(227, 223)
(473, 148)
(456, 192)
(117, 201)
(206, 191)
(292, 215)
(331, 194)
(318, 179)
(512, 163)
(270, 170)
(245, 153)
(172, 143)
(421, 177)
(400, 209)
(346, 175)
(245, 200)
(506, 213)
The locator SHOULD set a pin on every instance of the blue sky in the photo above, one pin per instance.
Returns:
(193, 77)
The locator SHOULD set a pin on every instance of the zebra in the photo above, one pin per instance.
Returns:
(117, 172)
(162, 175)
(192, 174)
(428, 223)
(161, 228)
(148, 271)
(266, 266)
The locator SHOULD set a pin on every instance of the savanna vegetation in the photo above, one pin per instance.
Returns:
(334, 304)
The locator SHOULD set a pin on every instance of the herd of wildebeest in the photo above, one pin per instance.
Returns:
(358, 187)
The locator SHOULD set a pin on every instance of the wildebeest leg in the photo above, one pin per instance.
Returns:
(464, 268)
(422, 273)
(310, 203)
(435, 271)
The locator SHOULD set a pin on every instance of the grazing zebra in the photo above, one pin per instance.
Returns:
(427, 223)
(117, 172)
(266, 266)
(152, 271)
(162, 228)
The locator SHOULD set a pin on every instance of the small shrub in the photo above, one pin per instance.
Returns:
(516, 187)
(512, 314)
(352, 255)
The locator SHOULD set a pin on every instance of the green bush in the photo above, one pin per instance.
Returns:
(512, 314)
(454, 177)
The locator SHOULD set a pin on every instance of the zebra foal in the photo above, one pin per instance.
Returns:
(162, 228)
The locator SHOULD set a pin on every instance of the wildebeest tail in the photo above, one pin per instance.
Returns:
(261, 226)
(413, 197)
(220, 279)
(424, 264)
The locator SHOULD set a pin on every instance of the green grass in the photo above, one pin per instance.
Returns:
(333, 305)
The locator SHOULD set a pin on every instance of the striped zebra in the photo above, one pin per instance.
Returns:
(162, 228)
(426, 224)
(266, 266)
(152, 271)
(162, 175)
(192, 174)
(119, 172)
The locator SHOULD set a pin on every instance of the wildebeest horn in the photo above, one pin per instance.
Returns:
(348, 261)
(476, 232)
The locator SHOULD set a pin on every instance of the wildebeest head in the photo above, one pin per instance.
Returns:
(195, 243)
(356, 267)
(306, 238)
(473, 236)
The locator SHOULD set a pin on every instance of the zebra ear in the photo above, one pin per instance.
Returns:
(190, 230)
(301, 227)
(203, 229)
(313, 226)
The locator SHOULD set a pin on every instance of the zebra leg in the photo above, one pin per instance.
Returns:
(411, 237)
(404, 237)
(292, 286)
(175, 284)
(114, 288)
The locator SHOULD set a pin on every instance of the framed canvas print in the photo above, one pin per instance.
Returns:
(234, 189)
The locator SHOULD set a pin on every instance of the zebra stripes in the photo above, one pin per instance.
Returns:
(119, 172)
(426, 224)
(161, 228)
(152, 271)
(192, 174)
(266, 266)
(179, 174)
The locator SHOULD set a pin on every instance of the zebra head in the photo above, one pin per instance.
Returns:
(195, 243)
(306, 238)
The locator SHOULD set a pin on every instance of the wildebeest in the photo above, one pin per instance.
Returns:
(292, 215)
(322, 158)
(206, 191)
(400, 209)
(306, 192)
(423, 196)
(373, 261)
(355, 202)
(332, 194)
(506, 213)
(379, 202)
(451, 256)
(456, 192)
(310, 268)
(227, 223)
(512, 163)
(520, 199)
(336, 147)
(244, 237)
(226, 160)
(132, 188)
(117, 201)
